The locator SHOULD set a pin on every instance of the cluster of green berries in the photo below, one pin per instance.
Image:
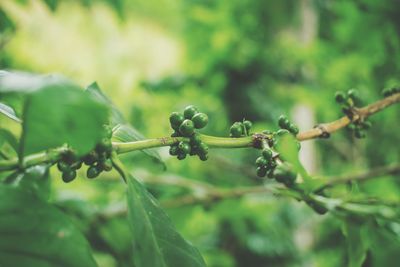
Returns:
(359, 127)
(390, 91)
(184, 125)
(348, 99)
(267, 166)
(285, 124)
(239, 129)
(98, 159)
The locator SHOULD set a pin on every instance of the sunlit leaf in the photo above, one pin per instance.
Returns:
(9, 112)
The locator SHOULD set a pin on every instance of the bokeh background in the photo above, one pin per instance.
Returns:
(252, 59)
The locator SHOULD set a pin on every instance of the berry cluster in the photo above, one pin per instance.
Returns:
(348, 100)
(266, 163)
(184, 125)
(284, 123)
(98, 159)
(390, 91)
(239, 129)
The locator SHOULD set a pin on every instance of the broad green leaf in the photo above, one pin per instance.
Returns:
(60, 114)
(122, 131)
(9, 112)
(156, 241)
(95, 91)
(126, 133)
(357, 243)
(34, 233)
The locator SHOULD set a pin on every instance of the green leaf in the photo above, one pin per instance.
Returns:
(288, 149)
(95, 91)
(156, 241)
(60, 114)
(7, 137)
(357, 243)
(9, 112)
(34, 233)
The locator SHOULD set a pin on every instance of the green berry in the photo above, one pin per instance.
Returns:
(184, 147)
(267, 154)
(340, 97)
(284, 174)
(261, 161)
(173, 150)
(68, 175)
(181, 155)
(202, 148)
(359, 133)
(189, 112)
(186, 128)
(200, 120)
(63, 166)
(283, 122)
(236, 130)
(247, 124)
(106, 165)
(282, 132)
(93, 172)
(203, 157)
(293, 129)
(261, 171)
(77, 165)
(195, 140)
(91, 158)
(366, 125)
(176, 119)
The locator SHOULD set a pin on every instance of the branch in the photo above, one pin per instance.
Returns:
(212, 141)
(374, 173)
(360, 113)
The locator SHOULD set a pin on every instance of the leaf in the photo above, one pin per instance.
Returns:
(126, 133)
(34, 233)
(7, 137)
(36, 179)
(357, 243)
(122, 131)
(156, 241)
(288, 149)
(9, 112)
(95, 91)
(59, 114)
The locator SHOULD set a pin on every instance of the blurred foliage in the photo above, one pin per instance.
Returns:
(234, 60)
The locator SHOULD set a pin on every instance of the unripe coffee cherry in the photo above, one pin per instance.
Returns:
(236, 130)
(106, 165)
(261, 171)
(247, 124)
(261, 161)
(176, 120)
(195, 140)
(63, 166)
(293, 129)
(203, 157)
(200, 120)
(283, 122)
(284, 174)
(186, 128)
(181, 155)
(173, 150)
(68, 175)
(184, 147)
(92, 172)
(267, 153)
(202, 148)
(340, 97)
(189, 112)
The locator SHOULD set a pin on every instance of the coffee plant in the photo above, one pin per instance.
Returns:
(59, 124)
